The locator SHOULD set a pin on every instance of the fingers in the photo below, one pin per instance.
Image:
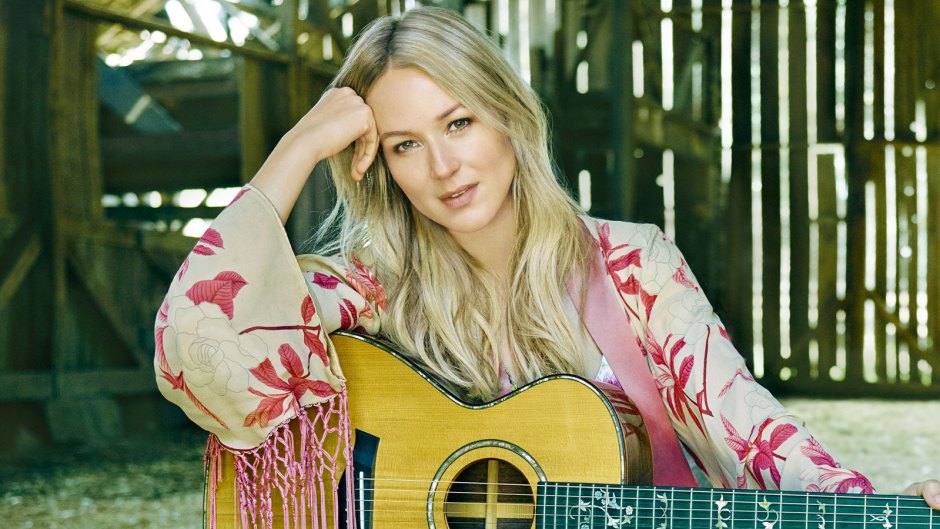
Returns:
(932, 493)
(367, 147)
(929, 489)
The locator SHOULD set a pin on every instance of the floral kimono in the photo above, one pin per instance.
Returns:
(242, 347)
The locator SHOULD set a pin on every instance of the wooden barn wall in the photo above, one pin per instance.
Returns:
(810, 221)
(842, 226)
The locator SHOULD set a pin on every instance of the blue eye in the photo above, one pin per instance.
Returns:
(404, 146)
(460, 124)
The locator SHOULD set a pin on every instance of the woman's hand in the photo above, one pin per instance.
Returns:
(929, 489)
(340, 118)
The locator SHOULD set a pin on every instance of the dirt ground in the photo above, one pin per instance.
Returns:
(156, 482)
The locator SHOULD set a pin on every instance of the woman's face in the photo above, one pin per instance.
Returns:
(454, 169)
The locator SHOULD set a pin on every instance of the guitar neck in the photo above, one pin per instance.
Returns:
(587, 506)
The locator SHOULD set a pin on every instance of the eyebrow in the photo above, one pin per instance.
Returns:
(407, 133)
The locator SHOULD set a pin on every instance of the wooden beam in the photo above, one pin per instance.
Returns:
(98, 12)
(167, 162)
(16, 265)
(111, 310)
(42, 385)
(171, 147)
(801, 386)
(587, 115)
(165, 213)
(132, 381)
(172, 176)
(30, 385)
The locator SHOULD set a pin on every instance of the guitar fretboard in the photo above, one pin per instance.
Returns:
(594, 506)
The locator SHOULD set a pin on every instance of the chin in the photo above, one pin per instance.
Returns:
(468, 223)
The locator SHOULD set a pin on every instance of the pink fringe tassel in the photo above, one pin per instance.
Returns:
(302, 482)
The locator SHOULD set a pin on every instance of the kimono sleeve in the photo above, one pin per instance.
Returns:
(736, 431)
(241, 337)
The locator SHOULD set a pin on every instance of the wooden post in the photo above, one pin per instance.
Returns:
(624, 174)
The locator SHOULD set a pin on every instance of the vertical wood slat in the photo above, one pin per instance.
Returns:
(770, 190)
(933, 254)
(826, 224)
(827, 297)
(904, 170)
(825, 71)
(877, 168)
(683, 46)
(739, 232)
(4, 67)
(905, 45)
(857, 171)
(799, 196)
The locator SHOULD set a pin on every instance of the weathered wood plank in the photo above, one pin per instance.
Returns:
(16, 265)
(827, 299)
(171, 147)
(933, 254)
(770, 191)
(93, 12)
(831, 389)
(799, 195)
(112, 311)
(619, 84)
(99, 382)
(165, 213)
(740, 302)
(906, 275)
(170, 176)
(825, 61)
(19, 386)
(857, 174)
(877, 162)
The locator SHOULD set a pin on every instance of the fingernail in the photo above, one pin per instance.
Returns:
(936, 500)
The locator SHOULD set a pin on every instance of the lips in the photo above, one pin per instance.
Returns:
(456, 192)
(459, 197)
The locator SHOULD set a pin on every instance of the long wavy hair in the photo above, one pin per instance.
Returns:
(444, 308)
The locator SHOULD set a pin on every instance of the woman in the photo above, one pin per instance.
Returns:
(454, 239)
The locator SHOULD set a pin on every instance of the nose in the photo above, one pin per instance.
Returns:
(443, 160)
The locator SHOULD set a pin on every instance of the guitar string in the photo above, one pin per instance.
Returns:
(633, 489)
(895, 515)
(850, 501)
(627, 488)
(675, 515)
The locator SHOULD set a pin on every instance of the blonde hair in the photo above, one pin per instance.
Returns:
(436, 309)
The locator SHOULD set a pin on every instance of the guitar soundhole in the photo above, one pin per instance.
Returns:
(490, 493)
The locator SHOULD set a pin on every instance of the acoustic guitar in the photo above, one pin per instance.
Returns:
(554, 454)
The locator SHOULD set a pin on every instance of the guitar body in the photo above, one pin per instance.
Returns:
(424, 458)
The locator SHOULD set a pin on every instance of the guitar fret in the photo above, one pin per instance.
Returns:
(672, 506)
(711, 501)
(864, 511)
(835, 511)
(897, 509)
(807, 512)
(755, 513)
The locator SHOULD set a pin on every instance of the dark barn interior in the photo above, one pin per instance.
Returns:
(791, 149)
